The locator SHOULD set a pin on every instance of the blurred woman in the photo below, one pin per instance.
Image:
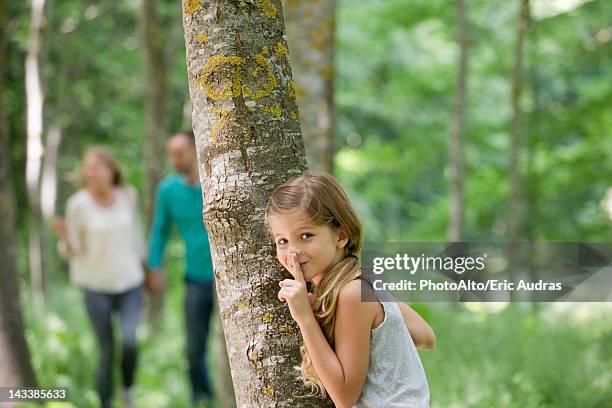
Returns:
(101, 236)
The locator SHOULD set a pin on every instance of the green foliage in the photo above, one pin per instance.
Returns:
(397, 64)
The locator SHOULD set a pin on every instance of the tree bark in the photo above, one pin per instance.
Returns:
(516, 210)
(155, 127)
(48, 187)
(457, 170)
(15, 366)
(155, 94)
(533, 179)
(310, 34)
(516, 181)
(34, 94)
(245, 118)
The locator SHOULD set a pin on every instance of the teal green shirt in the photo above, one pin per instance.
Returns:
(181, 204)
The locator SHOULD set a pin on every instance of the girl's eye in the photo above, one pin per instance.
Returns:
(306, 235)
(281, 241)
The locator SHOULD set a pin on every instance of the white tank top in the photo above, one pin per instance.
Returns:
(395, 378)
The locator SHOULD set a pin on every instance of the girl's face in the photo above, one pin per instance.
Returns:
(96, 172)
(318, 247)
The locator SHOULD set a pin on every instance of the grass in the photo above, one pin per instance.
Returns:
(487, 355)
(64, 349)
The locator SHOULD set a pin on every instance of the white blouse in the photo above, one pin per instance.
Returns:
(106, 248)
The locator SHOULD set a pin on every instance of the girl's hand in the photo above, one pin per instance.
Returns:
(294, 292)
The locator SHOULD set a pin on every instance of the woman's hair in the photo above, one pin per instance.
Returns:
(324, 201)
(110, 161)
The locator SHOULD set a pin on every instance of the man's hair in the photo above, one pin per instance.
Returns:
(189, 134)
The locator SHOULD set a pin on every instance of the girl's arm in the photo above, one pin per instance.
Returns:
(343, 370)
(422, 334)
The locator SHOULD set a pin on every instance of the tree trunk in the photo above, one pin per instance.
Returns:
(533, 187)
(155, 127)
(310, 34)
(15, 366)
(516, 211)
(155, 102)
(457, 171)
(34, 94)
(516, 181)
(48, 188)
(245, 118)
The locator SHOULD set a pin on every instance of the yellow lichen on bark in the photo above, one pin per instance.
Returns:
(291, 89)
(268, 390)
(191, 6)
(276, 110)
(221, 77)
(228, 88)
(268, 317)
(280, 50)
(267, 7)
(202, 38)
(265, 90)
(218, 124)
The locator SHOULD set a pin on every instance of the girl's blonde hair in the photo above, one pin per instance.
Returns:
(110, 161)
(322, 199)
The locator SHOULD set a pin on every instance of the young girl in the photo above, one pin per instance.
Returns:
(362, 353)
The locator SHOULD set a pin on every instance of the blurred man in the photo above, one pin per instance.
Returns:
(179, 202)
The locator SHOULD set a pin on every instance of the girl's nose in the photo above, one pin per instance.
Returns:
(294, 250)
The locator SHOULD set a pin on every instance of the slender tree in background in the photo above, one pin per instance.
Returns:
(34, 95)
(248, 136)
(516, 186)
(534, 132)
(457, 171)
(155, 86)
(532, 210)
(516, 210)
(15, 366)
(155, 94)
(310, 34)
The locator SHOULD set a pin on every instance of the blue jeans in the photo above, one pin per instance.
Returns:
(100, 307)
(199, 301)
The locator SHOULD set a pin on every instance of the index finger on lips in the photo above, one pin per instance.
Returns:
(297, 269)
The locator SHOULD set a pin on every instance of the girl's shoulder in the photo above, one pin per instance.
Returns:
(358, 296)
